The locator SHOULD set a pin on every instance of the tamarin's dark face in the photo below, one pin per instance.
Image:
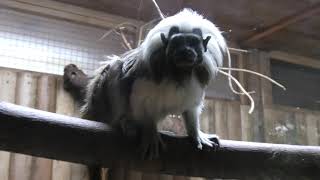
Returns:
(184, 50)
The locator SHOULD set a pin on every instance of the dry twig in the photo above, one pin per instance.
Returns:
(241, 88)
(125, 40)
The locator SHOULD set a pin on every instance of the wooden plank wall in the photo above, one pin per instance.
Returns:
(43, 92)
(7, 93)
(228, 119)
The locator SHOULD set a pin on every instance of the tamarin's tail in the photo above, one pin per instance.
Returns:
(75, 82)
(95, 172)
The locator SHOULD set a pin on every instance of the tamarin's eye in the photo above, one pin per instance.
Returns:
(194, 41)
(205, 41)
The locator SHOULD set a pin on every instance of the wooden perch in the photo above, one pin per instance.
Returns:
(38, 133)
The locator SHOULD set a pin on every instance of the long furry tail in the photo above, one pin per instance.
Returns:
(75, 82)
(95, 172)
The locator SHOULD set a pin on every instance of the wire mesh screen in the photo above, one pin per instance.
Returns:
(42, 44)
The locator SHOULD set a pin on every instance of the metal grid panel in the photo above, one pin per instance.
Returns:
(42, 44)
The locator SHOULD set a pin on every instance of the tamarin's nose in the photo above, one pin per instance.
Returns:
(185, 57)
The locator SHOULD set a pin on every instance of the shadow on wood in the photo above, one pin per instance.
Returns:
(39, 133)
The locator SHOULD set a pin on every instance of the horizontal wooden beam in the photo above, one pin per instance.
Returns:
(295, 59)
(283, 23)
(68, 12)
(38, 133)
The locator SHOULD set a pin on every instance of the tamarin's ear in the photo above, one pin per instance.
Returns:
(164, 39)
(205, 43)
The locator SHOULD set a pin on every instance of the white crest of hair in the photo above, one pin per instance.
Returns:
(187, 20)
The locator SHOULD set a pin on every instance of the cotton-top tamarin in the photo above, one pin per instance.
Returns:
(167, 74)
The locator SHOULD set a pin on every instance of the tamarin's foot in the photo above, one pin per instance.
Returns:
(210, 140)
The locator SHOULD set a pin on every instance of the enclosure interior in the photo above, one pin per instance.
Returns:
(38, 38)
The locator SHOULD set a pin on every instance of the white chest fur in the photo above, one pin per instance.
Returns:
(150, 100)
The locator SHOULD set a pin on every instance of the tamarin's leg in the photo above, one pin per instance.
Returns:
(191, 119)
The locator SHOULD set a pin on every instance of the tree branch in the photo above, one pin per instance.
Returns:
(38, 133)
